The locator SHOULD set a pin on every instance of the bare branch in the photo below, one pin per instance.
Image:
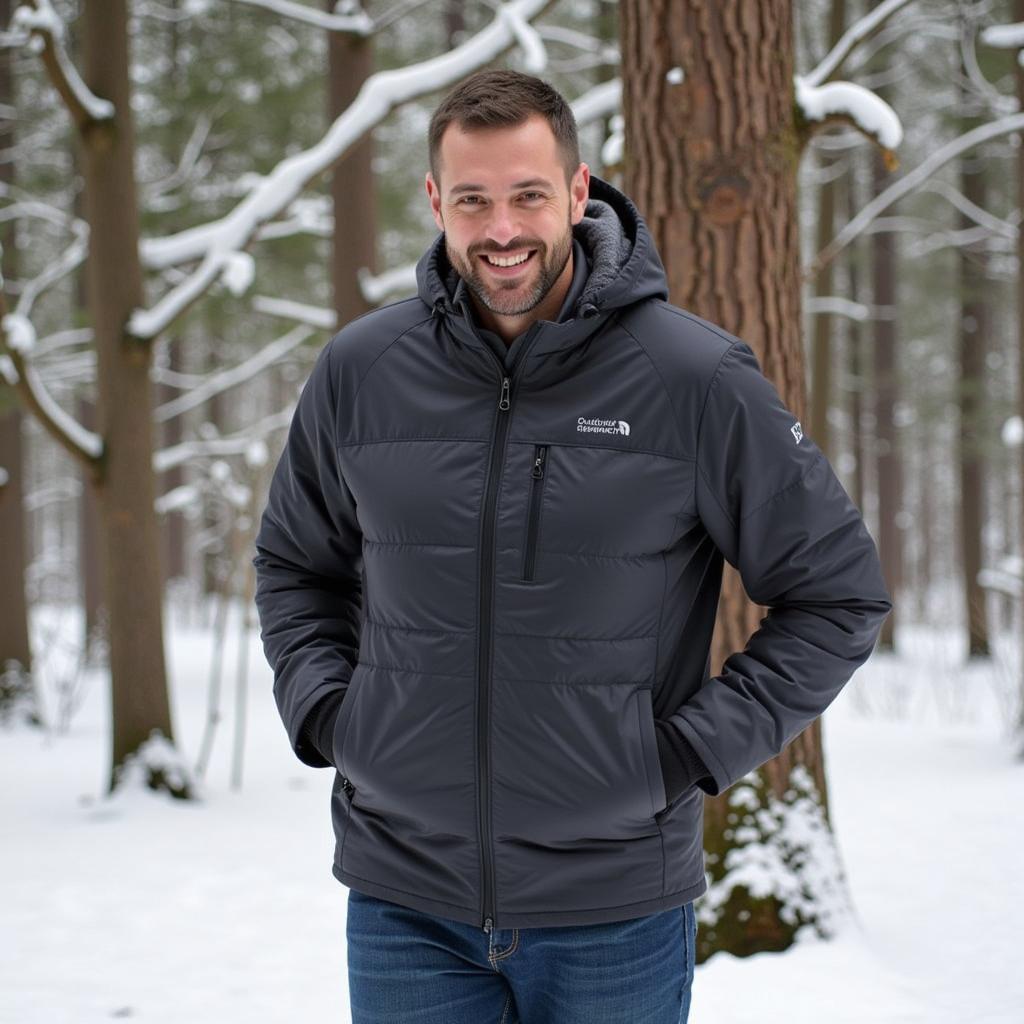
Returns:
(907, 184)
(851, 39)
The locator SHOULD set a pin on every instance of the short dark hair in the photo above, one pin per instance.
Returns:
(498, 97)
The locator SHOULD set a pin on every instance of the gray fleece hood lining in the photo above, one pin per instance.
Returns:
(624, 266)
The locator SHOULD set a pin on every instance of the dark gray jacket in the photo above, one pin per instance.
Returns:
(506, 570)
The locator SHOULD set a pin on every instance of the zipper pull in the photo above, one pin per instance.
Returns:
(488, 925)
(538, 464)
(504, 403)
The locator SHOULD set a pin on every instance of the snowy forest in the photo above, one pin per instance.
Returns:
(195, 195)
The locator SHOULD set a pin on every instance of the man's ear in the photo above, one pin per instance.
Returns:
(434, 197)
(579, 193)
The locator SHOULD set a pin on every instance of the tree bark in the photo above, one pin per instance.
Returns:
(354, 240)
(711, 163)
(14, 630)
(125, 479)
(974, 330)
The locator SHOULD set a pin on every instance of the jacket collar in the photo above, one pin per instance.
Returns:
(623, 268)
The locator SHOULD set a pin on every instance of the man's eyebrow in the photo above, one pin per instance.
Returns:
(529, 183)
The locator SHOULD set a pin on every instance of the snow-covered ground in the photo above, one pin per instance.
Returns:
(226, 910)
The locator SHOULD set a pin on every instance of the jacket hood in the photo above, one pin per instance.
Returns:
(624, 264)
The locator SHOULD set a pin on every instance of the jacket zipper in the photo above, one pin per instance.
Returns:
(501, 425)
(537, 478)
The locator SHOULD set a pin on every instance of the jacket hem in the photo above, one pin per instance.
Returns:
(527, 919)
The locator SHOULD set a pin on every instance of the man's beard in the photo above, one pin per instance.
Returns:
(510, 301)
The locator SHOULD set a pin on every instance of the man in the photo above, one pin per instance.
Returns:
(488, 572)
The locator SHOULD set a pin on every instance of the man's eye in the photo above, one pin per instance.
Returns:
(538, 195)
(466, 199)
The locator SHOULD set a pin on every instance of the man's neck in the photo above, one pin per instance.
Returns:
(508, 328)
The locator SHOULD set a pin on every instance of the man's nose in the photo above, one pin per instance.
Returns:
(503, 225)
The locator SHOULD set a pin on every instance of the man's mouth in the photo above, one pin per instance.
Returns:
(509, 265)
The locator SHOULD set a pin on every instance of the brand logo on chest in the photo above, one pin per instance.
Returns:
(596, 426)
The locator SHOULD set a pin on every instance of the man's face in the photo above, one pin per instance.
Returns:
(503, 194)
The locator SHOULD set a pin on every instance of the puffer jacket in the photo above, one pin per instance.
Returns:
(507, 571)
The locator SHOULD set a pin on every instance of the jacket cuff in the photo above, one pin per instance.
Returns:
(318, 728)
(681, 766)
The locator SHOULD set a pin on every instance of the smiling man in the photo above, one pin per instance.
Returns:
(487, 578)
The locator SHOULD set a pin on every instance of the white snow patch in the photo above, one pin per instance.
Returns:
(19, 333)
(867, 110)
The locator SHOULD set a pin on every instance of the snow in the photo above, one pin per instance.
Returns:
(19, 334)
(614, 145)
(870, 113)
(358, 23)
(535, 57)
(1013, 432)
(674, 76)
(42, 21)
(380, 94)
(233, 892)
(1004, 37)
(238, 273)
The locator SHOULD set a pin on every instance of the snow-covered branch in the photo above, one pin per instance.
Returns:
(380, 94)
(46, 37)
(320, 317)
(235, 444)
(1004, 37)
(910, 181)
(856, 34)
(851, 104)
(221, 381)
(18, 339)
(358, 23)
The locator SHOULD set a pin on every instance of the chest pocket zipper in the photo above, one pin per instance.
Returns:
(537, 478)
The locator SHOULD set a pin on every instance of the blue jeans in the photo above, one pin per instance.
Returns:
(405, 965)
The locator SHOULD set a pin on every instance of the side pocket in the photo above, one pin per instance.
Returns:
(652, 763)
(342, 722)
(537, 478)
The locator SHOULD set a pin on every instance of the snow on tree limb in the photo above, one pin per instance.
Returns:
(861, 30)
(910, 181)
(17, 338)
(845, 101)
(233, 376)
(380, 94)
(46, 37)
(358, 23)
(315, 316)
(1004, 37)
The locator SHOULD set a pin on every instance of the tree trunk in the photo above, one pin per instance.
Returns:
(883, 271)
(354, 240)
(1019, 75)
(711, 163)
(821, 359)
(14, 632)
(125, 484)
(974, 330)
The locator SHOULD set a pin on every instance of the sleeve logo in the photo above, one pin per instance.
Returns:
(796, 431)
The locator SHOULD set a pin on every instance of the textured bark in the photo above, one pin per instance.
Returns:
(124, 479)
(824, 324)
(974, 330)
(1019, 75)
(14, 632)
(883, 270)
(354, 241)
(711, 163)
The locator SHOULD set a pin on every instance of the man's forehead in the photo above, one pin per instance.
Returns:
(500, 159)
(482, 186)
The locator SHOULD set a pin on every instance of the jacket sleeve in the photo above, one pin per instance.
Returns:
(309, 565)
(771, 503)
